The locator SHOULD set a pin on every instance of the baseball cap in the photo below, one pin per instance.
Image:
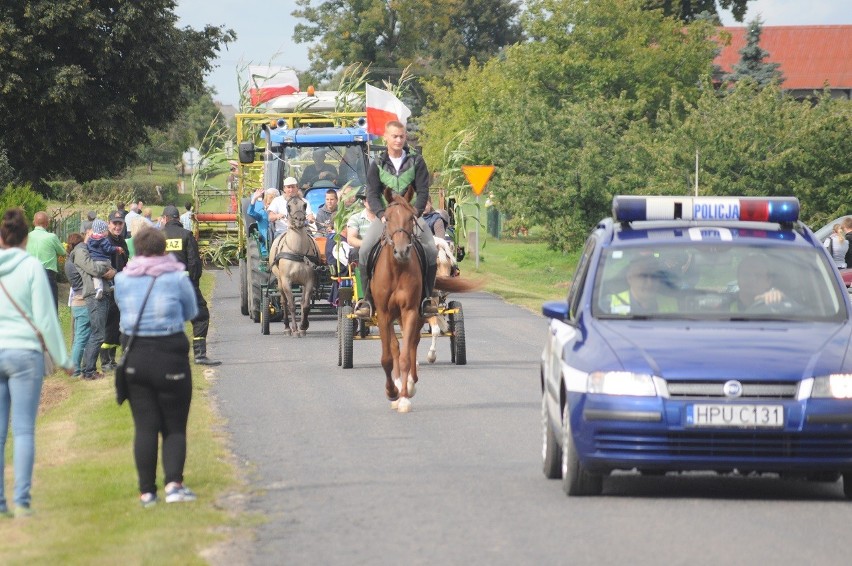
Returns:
(171, 211)
(116, 216)
(290, 181)
(91, 215)
(99, 227)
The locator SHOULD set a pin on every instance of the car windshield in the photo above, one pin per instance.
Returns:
(717, 281)
(327, 166)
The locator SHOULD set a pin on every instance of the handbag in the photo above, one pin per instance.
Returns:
(121, 390)
(49, 365)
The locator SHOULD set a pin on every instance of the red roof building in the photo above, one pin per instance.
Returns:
(810, 56)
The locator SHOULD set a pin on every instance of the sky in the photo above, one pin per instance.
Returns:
(265, 30)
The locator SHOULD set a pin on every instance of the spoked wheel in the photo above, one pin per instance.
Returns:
(347, 336)
(551, 450)
(458, 350)
(576, 480)
(243, 288)
(264, 316)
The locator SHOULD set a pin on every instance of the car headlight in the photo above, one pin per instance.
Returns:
(621, 383)
(836, 385)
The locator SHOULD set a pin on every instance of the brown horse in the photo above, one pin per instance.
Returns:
(397, 286)
(292, 259)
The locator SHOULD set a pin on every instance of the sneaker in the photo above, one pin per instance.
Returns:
(109, 366)
(178, 493)
(148, 499)
(93, 376)
(205, 361)
(99, 294)
(21, 512)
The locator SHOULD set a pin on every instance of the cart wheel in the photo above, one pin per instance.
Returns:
(243, 288)
(264, 316)
(277, 309)
(346, 337)
(458, 351)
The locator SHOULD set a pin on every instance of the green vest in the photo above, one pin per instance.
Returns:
(620, 303)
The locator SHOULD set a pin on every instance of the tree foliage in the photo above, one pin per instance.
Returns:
(613, 99)
(691, 10)
(391, 35)
(81, 81)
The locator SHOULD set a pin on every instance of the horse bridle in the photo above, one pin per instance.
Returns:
(388, 237)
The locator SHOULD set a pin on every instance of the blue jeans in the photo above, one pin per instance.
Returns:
(98, 309)
(20, 388)
(82, 331)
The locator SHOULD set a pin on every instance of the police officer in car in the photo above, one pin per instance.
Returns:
(182, 244)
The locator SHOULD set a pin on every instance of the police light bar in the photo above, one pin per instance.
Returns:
(629, 208)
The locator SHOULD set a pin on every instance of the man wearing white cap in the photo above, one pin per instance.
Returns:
(277, 210)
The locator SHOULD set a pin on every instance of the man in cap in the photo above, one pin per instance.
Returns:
(112, 334)
(277, 209)
(182, 244)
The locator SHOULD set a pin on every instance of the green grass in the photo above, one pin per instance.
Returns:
(84, 484)
(523, 272)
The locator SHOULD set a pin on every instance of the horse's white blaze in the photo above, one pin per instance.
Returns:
(404, 405)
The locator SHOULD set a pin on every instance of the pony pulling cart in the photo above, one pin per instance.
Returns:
(396, 287)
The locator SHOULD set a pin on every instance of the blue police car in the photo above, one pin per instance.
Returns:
(699, 333)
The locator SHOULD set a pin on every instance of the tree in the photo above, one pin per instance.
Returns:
(81, 81)
(751, 64)
(389, 36)
(690, 10)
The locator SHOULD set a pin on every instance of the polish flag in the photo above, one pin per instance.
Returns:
(266, 83)
(382, 107)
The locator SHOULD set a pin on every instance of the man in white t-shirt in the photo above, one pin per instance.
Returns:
(277, 209)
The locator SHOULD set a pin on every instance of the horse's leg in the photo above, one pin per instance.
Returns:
(410, 323)
(432, 355)
(386, 334)
(286, 289)
(307, 295)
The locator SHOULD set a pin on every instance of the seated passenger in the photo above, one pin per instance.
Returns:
(257, 210)
(326, 213)
(277, 209)
(318, 171)
(645, 290)
(435, 219)
(756, 286)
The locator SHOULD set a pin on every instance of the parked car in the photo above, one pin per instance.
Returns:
(701, 333)
(823, 232)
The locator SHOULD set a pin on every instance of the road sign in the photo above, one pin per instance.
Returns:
(478, 176)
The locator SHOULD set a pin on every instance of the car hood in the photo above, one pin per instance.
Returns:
(747, 351)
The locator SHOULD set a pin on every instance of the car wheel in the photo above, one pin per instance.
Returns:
(575, 479)
(551, 452)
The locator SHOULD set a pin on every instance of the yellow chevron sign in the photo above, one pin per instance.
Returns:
(478, 176)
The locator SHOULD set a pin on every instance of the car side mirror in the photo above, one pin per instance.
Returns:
(557, 310)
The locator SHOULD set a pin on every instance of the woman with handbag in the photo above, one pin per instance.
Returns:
(31, 337)
(156, 298)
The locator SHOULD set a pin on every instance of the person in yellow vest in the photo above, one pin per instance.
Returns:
(645, 290)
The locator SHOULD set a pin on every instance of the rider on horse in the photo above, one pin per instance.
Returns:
(397, 168)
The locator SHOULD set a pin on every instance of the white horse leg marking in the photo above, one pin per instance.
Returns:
(411, 386)
(404, 405)
(432, 355)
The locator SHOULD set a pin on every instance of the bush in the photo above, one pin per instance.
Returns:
(22, 196)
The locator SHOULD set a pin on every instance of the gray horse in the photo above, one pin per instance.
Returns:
(292, 259)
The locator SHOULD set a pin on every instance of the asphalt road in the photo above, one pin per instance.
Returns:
(342, 479)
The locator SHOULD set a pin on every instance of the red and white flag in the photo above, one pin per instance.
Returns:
(266, 83)
(382, 107)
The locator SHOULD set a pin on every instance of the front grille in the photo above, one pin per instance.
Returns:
(718, 444)
(713, 390)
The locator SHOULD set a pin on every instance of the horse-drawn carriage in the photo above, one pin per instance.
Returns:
(448, 324)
